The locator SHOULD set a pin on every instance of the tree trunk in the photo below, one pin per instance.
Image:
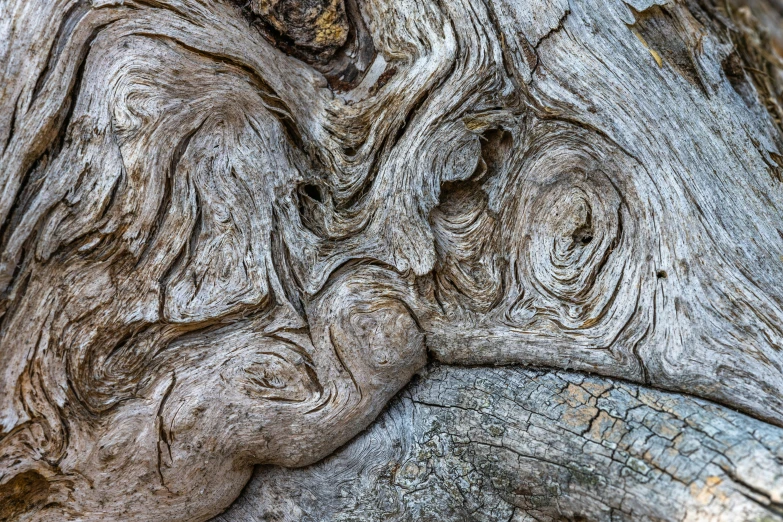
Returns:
(231, 232)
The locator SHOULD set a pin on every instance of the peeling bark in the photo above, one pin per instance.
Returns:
(231, 232)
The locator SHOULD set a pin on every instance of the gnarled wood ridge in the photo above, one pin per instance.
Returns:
(233, 231)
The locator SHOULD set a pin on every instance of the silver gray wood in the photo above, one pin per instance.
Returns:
(510, 444)
(231, 232)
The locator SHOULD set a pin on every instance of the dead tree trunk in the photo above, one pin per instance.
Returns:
(231, 232)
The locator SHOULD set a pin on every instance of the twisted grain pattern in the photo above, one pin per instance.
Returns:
(231, 232)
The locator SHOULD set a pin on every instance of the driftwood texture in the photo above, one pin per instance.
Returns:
(232, 231)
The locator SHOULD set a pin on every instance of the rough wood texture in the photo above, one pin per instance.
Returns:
(513, 445)
(231, 232)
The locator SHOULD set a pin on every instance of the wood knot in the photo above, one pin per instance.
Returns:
(569, 234)
(575, 229)
(372, 328)
(319, 27)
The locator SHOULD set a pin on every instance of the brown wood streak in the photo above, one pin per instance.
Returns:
(251, 224)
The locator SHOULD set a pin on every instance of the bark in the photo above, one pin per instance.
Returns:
(517, 444)
(232, 231)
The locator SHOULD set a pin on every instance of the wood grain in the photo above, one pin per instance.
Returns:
(231, 232)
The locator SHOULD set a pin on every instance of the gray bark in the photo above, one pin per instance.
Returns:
(233, 231)
(513, 444)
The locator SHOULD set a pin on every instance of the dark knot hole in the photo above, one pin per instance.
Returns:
(583, 234)
(313, 192)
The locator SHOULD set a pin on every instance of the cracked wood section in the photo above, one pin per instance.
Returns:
(231, 232)
(519, 445)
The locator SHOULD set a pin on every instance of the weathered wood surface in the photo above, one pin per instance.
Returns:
(233, 231)
(510, 444)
